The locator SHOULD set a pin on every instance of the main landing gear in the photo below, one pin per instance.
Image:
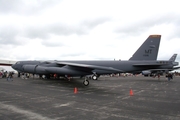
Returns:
(86, 81)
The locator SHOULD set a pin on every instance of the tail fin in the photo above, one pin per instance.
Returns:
(148, 50)
(173, 58)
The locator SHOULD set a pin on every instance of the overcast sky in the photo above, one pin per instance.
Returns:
(86, 29)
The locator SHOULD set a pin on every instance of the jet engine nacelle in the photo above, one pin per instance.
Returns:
(65, 71)
(29, 68)
(35, 69)
(146, 72)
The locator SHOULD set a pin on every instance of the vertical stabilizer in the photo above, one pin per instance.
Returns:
(173, 58)
(148, 50)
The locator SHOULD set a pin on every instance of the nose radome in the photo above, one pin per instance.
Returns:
(13, 66)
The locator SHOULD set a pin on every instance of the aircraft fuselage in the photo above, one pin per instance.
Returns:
(47, 67)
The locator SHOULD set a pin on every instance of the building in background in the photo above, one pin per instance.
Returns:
(6, 65)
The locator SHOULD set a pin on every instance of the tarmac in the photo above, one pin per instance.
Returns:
(108, 98)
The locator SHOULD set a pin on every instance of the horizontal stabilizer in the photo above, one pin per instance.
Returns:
(174, 68)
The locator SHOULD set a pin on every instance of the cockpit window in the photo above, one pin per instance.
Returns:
(17, 62)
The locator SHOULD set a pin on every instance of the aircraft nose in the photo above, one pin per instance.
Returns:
(13, 66)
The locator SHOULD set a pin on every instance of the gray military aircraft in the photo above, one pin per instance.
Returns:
(161, 71)
(144, 58)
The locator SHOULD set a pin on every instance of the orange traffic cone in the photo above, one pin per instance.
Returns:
(75, 90)
(131, 92)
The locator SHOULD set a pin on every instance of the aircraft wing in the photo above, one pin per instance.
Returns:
(89, 67)
(174, 68)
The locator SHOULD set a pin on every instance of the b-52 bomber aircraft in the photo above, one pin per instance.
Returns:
(144, 58)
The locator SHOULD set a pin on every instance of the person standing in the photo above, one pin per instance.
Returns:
(7, 76)
(169, 76)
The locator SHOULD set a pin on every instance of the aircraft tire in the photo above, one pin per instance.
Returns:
(94, 77)
(86, 82)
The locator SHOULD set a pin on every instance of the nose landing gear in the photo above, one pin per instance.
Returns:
(86, 81)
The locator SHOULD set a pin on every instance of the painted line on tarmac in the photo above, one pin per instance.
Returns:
(30, 115)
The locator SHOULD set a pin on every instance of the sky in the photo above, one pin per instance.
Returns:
(86, 29)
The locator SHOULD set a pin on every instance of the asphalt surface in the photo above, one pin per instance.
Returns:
(106, 99)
